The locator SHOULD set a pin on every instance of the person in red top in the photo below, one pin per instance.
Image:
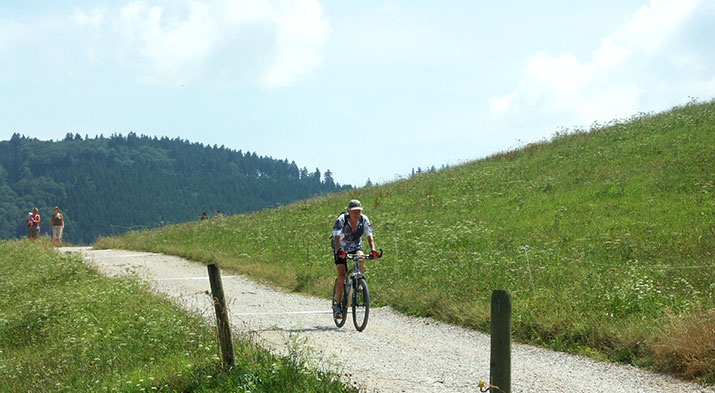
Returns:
(35, 227)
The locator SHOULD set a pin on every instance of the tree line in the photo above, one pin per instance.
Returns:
(108, 185)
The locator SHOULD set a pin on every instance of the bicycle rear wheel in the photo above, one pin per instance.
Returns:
(339, 322)
(361, 305)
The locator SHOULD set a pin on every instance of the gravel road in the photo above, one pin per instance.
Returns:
(395, 353)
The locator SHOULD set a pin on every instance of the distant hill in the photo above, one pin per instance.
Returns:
(107, 186)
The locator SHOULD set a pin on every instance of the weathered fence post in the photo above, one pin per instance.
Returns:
(224, 330)
(500, 357)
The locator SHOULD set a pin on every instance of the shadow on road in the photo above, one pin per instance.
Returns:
(313, 329)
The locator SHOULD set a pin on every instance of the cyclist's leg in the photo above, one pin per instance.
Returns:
(341, 265)
(362, 263)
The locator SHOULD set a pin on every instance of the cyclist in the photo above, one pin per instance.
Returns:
(347, 238)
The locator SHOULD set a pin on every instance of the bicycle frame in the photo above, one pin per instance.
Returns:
(355, 273)
(355, 270)
(351, 277)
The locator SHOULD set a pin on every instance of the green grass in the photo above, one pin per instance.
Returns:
(65, 328)
(619, 222)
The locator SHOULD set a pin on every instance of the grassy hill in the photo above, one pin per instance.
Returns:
(65, 328)
(605, 238)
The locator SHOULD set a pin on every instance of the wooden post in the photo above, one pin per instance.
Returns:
(224, 330)
(500, 357)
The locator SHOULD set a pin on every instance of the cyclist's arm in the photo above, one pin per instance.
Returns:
(371, 242)
(337, 232)
(368, 233)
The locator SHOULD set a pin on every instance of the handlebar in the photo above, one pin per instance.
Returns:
(362, 256)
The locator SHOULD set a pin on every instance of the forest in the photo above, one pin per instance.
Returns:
(109, 185)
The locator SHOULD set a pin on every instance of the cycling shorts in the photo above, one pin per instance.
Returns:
(343, 261)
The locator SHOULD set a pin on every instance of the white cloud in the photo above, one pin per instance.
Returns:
(91, 18)
(12, 33)
(655, 24)
(610, 53)
(267, 42)
(649, 60)
(171, 51)
(300, 35)
(501, 105)
(44, 47)
(274, 42)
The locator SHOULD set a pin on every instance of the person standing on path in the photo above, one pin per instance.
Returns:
(57, 222)
(29, 225)
(35, 227)
(347, 238)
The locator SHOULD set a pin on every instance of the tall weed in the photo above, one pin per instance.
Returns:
(686, 344)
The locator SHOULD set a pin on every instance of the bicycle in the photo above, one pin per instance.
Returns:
(355, 294)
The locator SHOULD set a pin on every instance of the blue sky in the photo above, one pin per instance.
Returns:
(367, 89)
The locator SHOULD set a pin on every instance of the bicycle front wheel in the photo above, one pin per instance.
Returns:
(339, 322)
(361, 305)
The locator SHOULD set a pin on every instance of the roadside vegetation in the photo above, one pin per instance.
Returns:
(605, 237)
(65, 328)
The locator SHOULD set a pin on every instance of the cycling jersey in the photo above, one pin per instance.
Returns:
(349, 241)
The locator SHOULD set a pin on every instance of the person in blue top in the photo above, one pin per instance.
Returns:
(347, 236)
